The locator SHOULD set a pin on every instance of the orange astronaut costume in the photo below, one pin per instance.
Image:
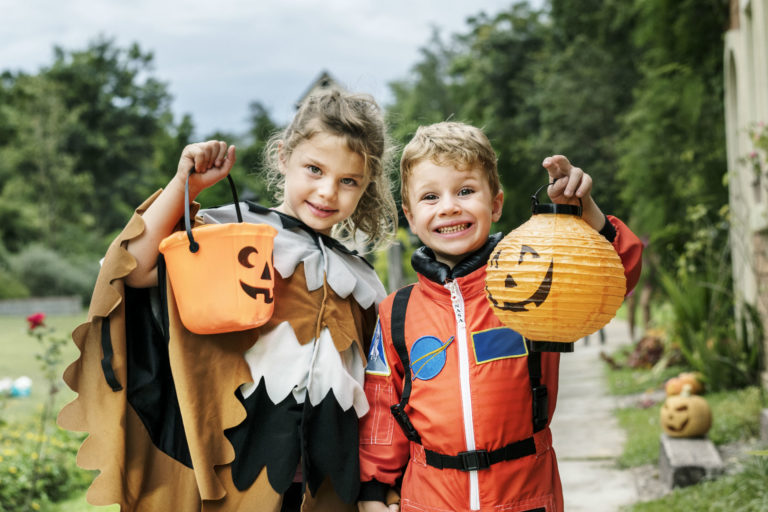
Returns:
(480, 401)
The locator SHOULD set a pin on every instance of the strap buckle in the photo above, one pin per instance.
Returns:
(405, 423)
(474, 460)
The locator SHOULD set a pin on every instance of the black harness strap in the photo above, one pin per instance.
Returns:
(399, 306)
(538, 390)
(474, 459)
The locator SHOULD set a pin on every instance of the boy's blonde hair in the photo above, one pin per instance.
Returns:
(449, 143)
(358, 119)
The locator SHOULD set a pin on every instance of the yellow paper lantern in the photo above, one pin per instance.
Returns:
(554, 278)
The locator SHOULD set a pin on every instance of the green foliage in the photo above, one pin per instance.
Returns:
(744, 491)
(672, 144)
(45, 272)
(58, 475)
(728, 353)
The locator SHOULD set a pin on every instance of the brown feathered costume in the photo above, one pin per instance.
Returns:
(187, 422)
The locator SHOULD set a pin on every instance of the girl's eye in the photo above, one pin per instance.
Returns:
(313, 169)
(349, 181)
(465, 191)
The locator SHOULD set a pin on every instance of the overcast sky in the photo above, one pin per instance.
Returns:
(218, 56)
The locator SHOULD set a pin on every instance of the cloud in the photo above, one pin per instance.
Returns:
(217, 57)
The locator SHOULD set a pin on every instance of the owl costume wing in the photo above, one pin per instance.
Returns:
(181, 421)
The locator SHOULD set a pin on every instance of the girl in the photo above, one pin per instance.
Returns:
(180, 421)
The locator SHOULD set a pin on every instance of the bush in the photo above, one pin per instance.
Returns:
(58, 475)
(728, 353)
(10, 287)
(47, 273)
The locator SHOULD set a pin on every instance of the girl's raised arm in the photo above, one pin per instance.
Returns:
(212, 161)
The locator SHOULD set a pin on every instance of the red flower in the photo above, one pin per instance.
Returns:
(35, 320)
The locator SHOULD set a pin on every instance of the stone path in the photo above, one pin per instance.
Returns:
(587, 437)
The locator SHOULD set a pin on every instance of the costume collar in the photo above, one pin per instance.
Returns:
(424, 262)
(292, 222)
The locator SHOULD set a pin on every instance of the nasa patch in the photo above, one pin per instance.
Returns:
(377, 358)
(428, 357)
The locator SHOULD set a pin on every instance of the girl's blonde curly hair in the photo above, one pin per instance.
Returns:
(358, 119)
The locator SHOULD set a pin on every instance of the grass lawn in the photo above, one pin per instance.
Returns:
(743, 492)
(17, 358)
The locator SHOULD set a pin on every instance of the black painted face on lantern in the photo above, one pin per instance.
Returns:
(537, 297)
(266, 276)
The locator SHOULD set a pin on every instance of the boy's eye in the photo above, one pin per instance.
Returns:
(429, 197)
(349, 181)
(465, 191)
(313, 169)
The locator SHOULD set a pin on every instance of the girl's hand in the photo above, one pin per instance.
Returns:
(571, 182)
(377, 506)
(211, 160)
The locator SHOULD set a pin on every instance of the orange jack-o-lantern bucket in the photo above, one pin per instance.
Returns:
(554, 279)
(221, 274)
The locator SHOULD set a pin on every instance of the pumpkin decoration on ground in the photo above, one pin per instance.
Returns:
(554, 278)
(222, 275)
(686, 415)
(675, 385)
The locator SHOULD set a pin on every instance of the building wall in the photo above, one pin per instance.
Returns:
(746, 105)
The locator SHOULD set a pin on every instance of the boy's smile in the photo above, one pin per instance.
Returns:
(450, 210)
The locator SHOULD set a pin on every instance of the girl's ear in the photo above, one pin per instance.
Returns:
(281, 159)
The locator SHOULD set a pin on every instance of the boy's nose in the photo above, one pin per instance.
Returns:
(449, 205)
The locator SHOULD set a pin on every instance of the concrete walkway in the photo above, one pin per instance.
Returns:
(587, 437)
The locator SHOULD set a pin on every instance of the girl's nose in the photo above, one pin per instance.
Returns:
(327, 188)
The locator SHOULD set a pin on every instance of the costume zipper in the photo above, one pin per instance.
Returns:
(457, 301)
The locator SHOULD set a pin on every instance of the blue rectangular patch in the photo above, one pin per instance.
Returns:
(499, 343)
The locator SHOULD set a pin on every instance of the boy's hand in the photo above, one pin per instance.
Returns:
(377, 506)
(572, 183)
(211, 160)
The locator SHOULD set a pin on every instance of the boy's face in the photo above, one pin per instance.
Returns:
(451, 211)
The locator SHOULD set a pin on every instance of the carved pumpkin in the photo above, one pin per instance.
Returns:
(228, 284)
(686, 415)
(554, 278)
(221, 274)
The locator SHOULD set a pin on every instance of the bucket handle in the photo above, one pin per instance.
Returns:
(193, 245)
(570, 209)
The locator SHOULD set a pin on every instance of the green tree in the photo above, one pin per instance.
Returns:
(673, 142)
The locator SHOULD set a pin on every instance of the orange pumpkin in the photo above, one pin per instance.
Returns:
(555, 278)
(221, 274)
(685, 415)
(675, 385)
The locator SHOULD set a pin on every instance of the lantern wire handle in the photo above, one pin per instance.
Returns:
(193, 245)
(554, 208)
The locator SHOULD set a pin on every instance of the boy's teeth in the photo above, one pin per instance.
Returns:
(453, 229)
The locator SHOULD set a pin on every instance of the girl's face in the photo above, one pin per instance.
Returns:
(324, 180)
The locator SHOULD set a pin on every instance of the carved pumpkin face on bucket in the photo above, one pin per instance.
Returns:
(555, 278)
(228, 284)
(686, 415)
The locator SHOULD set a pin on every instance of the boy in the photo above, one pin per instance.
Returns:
(474, 432)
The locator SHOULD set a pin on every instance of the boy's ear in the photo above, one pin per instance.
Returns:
(496, 205)
(408, 215)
